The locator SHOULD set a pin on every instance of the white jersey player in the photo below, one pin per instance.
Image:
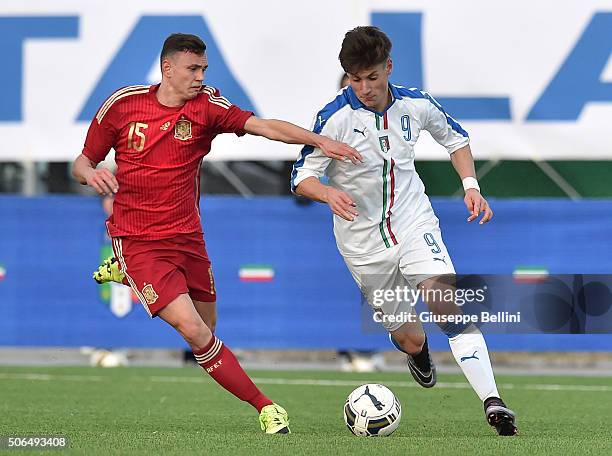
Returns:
(395, 201)
(384, 224)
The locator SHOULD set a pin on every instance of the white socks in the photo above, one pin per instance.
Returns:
(470, 352)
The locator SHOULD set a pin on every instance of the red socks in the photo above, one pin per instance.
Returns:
(222, 365)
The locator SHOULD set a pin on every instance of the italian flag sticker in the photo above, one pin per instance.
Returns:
(256, 273)
(2, 272)
(530, 274)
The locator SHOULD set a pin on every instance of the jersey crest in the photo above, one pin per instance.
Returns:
(182, 130)
(149, 294)
(385, 145)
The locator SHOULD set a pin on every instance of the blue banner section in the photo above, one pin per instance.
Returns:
(280, 280)
(141, 49)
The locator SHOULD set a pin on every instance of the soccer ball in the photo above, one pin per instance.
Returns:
(372, 410)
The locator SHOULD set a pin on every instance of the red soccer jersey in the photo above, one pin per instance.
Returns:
(158, 150)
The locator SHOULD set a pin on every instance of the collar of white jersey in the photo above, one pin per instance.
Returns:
(356, 104)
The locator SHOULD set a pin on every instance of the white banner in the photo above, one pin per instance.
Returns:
(527, 80)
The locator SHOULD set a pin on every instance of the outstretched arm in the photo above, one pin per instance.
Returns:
(339, 202)
(463, 163)
(279, 130)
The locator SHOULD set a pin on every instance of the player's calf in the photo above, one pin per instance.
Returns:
(218, 361)
(421, 366)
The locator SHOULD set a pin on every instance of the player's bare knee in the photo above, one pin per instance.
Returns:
(195, 333)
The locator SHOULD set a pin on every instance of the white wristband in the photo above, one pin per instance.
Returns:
(470, 182)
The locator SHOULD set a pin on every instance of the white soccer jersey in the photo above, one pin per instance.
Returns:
(386, 188)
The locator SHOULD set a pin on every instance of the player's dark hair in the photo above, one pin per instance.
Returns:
(181, 42)
(364, 47)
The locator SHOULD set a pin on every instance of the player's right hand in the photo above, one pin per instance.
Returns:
(103, 181)
(340, 151)
(341, 204)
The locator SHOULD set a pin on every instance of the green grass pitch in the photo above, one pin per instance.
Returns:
(181, 411)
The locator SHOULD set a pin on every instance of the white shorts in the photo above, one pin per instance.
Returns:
(404, 266)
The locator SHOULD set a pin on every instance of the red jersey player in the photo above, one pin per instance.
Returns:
(160, 135)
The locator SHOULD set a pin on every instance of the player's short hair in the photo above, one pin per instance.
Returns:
(181, 42)
(364, 47)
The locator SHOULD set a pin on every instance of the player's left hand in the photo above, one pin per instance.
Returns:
(476, 204)
(340, 151)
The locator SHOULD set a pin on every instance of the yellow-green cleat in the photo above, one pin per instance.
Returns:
(109, 271)
(274, 420)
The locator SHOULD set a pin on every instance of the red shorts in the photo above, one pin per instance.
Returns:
(161, 270)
